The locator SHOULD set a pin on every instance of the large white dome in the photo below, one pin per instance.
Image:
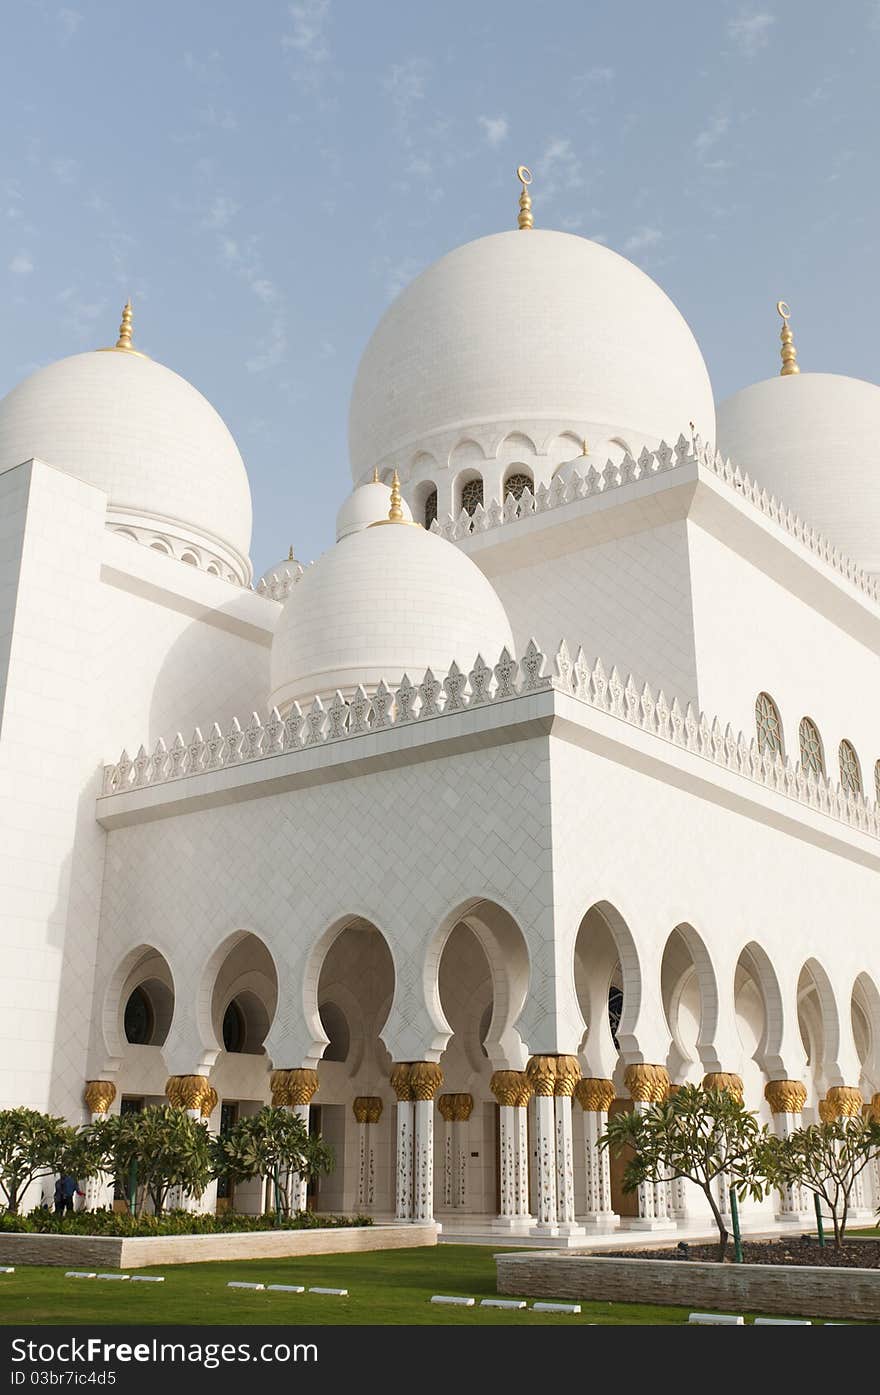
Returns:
(527, 327)
(383, 602)
(812, 440)
(143, 435)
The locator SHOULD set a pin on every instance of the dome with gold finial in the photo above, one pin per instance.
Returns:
(533, 333)
(811, 440)
(385, 601)
(365, 505)
(170, 469)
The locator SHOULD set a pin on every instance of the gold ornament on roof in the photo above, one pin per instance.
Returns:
(585, 449)
(525, 219)
(375, 479)
(788, 351)
(395, 513)
(123, 344)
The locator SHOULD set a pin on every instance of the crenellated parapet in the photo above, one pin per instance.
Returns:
(649, 464)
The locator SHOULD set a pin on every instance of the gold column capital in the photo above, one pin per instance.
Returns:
(400, 1082)
(367, 1109)
(187, 1091)
(99, 1095)
(844, 1100)
(210, 1102)
(446, 1106)
(541, 1071)
(648, 1084)
(462, 1107)
(302, 1085)
(725, 1080)
(785, 1096)
(568, 1073)
(594, 1095)
(875, 1109)
(279, 1085)
(511, 1087)
(425, 1079)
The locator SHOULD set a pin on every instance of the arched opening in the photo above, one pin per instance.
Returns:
(144, 999)
(757, 1002)
(690, 1002)
(517, 479)
(608, 984)
(190, 559)
(354, 992)
(424, 502)
(465, 1172)
(244, 997)
(850, 768)
(865, 1009)
(768, 725)
(467, 492)
(819, 1027)
(161, 547)
(812, 753)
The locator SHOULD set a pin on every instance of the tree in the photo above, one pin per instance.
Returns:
(271, 1143)
(32, 1145)
(697, 1134)
(165, 1146)
(826, 1159)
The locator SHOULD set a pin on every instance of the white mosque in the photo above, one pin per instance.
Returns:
(551, 786)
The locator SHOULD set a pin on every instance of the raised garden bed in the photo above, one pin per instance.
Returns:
(126, 1252)
(791, 1290)
(806, 1251)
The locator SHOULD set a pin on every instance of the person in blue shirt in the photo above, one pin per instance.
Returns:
(66, 1189)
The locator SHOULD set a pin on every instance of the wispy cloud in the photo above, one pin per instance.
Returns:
(405, 85)
(66, 171)
(560, 169)
(399, 274)
(750, 30)
(22, 264)
(271, 349)
(495, 129)
(707, 139)
(221, 212)
(68, 23)
(642, 240)
(307, 40)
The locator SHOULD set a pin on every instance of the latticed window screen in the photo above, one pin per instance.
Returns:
(811, 747)
(430, 508)
(769, 725)
(471, 495)
(515, 484)
(850, 770)
(615, 1012)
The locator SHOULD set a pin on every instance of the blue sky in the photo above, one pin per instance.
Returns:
(263, 178)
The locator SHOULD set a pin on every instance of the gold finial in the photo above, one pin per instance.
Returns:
(525, 219)
(395, 513)
(123, 343)
(375, 474)
(586, 448)
(290, 553)
(788, 351)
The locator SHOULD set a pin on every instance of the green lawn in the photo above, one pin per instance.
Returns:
(386, 1287)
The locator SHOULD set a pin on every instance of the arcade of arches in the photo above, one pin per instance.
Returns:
(488, 1135)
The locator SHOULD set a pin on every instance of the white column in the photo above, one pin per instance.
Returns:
(786, 1099)
(448, 1163)
(507, 1162)
(545, 1140)
(298, 1194)
(98, 1190)
(564, 1167)
(404, 1190)
(521, 1141)
(595, 1095)
(362, 1185)
(423, 1180)
(460, 1141)
(648, 1084)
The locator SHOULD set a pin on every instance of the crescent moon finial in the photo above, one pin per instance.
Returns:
(525, 219)
(782, 309)
(788, 351)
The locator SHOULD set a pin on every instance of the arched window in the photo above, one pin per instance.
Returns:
(471, 495)
(812, 758)
(139, 1018)
(430, 508)
(233, 1028)
(516, 483)
(877, 780)
(850, 770)
(769, 725)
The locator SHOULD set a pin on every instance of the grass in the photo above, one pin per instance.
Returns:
(386, 1288)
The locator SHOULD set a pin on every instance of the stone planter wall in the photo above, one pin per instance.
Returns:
(787, 1290)
(111, 1252)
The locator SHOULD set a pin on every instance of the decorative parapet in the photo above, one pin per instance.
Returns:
(664, 459)
(279, 584)
(460, 691)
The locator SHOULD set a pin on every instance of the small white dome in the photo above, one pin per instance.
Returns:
(812, 440)
(365, 505)
(144, 436)
(383, 602)
(528, 327)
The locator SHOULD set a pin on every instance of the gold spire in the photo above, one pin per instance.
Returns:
(525, 219)
(395, 513)
(375, 479)
(290, 553)
(586, 448)
(123, 343)
(788, 351)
